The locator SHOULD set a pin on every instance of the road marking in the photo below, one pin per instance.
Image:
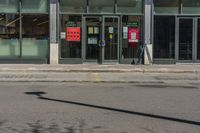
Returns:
(96, 77)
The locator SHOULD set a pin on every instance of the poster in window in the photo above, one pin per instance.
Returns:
(92, 40)
(90, 30)
(73, 34)
(133, 35)
(96, 30)
(111, 30)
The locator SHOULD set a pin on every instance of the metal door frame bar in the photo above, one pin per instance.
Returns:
(118, 39)
(84, 25)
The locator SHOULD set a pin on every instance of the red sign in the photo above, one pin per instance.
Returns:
(73, 34)
(133, 35)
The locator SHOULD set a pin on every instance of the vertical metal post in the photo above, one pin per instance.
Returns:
(54, 47)
(84, 34)
(195, 34)
(101, 38)
(53, 21)
(148, 13)
(177, 39)
(20, 31)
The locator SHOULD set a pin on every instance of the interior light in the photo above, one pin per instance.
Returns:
(42, 23)
(13, 21)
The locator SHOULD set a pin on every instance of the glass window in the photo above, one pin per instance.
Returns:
(9, 6)
(166, 6)
(9, 35)
(185, 45)
(73, 6)
(129, 6)
(191, 6)
(129, 49)
(70, 47)
(164, 37)
(35, 34)
(34, 6)
(101, 6)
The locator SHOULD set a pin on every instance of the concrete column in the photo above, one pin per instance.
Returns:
(148, 52)
(54, 46)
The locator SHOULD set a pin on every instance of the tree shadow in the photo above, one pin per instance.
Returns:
(40, 96)
(79, 126)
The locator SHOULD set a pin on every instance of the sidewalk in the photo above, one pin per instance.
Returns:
(113, 73)
(191, 68)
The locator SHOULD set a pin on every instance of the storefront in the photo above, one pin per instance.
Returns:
(85, 25)
(73, 31)
(176, 31)
(24, 31)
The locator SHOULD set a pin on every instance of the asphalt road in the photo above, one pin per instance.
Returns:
(53, 107)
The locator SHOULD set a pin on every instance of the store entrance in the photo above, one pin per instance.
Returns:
(101, 31)
(188, 40)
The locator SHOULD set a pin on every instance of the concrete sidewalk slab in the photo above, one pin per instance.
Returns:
(191, 68)
(109, 73)
(98, 77)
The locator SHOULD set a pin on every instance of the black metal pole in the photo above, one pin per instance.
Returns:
(100, 59)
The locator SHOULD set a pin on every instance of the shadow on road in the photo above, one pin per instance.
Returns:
(40, 96)
(79, 126)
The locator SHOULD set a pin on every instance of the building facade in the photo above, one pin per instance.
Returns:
(176, 31)
(79, 31)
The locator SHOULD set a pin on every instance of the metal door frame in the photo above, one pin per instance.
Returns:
(118, 39)
(84, 36)
(194, 39)
(102, 32)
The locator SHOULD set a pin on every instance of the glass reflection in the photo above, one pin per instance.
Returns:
(9, 35)
(35, 33)
(9, 6)
(73, 5)
(166, 6)
(101, 6)
(34, 6)
(129, 6)
(191, 6)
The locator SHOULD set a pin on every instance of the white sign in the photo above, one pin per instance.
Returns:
(125, 29)
(111, 30)
(63, 35)
(92, 41)
(133, 37)
(125, 35)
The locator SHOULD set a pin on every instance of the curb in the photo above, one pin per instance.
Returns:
(81, 81)
(103, 71)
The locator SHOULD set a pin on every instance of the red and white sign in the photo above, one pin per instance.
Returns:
(133, 35)
(73, 34)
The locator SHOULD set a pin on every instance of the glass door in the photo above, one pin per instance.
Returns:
(188, 43)
(101, 30)
(93, 31)
(186, 40)
(111, 38)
